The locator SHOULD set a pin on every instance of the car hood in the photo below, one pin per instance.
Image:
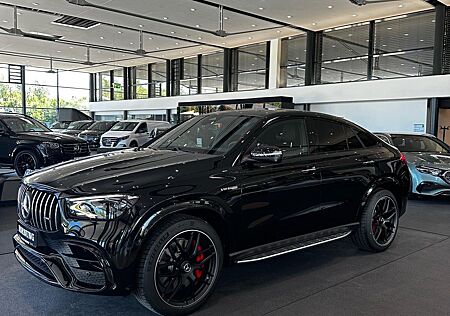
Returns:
(50, 137)
(117, 133)
(122, 171)
(91, 133)
(435, 160)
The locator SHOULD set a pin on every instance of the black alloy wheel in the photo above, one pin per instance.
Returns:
(25, 160)
(379, 222)
(180, 266)
(384, 220)
(186, 268)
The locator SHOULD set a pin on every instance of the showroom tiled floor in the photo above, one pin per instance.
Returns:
(411, 278)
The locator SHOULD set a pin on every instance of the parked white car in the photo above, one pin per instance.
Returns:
(130, 133)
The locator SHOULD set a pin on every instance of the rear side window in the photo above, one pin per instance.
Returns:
(326, 136)
(367, 139)
(352, 140)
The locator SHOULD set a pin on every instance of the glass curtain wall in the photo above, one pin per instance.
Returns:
(212, 72)
(293, 61)
(142, 84)
(404, 46)
(10, 93)
(251, 67)
(159, 77)
(118, 84)
(188, 82)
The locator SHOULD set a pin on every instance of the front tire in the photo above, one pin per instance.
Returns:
(26, 160)
(379, 223)
(179, 267)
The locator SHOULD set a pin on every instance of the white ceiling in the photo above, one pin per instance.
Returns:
(309, 14)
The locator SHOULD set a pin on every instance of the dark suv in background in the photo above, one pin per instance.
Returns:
(26, 144)
(75, 128)
(235, 186)
(95, 131)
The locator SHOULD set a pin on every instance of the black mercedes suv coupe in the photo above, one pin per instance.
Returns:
(26, 144)
(95, 131)
(234, 186)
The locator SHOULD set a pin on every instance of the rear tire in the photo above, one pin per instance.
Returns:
(179, 267)
(379, 223)
(26, 160)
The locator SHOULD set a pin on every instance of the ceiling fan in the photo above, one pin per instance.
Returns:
(364, 2)
(18, 32)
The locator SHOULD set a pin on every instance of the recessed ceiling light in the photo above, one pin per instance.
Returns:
(131, 43)
(5, 21)
(35, 3)
(201, 48)
(384, 45)
(223, 43)
(197, 25)
(192, 9)
(123, 55)
(181, 52)
(140, 25)
(400, 5)
(71, 47)
(330, 7)
(199, 38)
(314, 24)
(253, 25)
(354, 15)
(432, 21)
(157, 47)
(150, 38)
(163, 55)
(165, 18)
(261, 8)
(172, 32)
(177, 43)
(119, 32)
(389, 28)
(58, 51)
(406, 34)
(350, 34)
(19, 13)
(226, 18)
(289, 16)
(402, 64)
(253, 64)
(101, 37)
(250, 37)
(421, 40)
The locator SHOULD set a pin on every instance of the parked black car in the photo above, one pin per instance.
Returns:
(75, 128)
(26, 144)
(95, 131)
(236, 186)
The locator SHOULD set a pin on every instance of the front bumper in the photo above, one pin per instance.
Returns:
(70, 264)
(426, 184)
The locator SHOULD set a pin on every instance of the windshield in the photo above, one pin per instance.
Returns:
(211, 134)
(24, 124)
(413, 143)
(100, 126)
(79, 125)
(124, 126)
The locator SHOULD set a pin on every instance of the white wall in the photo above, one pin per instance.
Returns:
(380, 116)
(381, 105)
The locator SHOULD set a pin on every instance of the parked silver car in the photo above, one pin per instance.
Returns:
(428, 161)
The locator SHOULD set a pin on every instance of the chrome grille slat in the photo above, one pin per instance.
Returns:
(44, 210)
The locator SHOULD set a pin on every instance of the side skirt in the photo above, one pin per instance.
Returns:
(292, 244)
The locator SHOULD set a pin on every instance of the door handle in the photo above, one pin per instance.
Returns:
(312, 169)
(369, 162)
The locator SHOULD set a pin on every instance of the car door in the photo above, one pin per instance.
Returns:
(345, 169)
(280, 200)
(142, 133)
(7, 144)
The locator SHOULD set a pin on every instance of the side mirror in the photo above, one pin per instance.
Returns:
(270, 154)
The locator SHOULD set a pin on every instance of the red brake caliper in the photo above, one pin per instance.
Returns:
(198, 273)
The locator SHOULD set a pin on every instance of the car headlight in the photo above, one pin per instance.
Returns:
(429, 170)
(124, 137)
(104, 207)
(51, 145)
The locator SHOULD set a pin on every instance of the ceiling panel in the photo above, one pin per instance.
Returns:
(114, 44)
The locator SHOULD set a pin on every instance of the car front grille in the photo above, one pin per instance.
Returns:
(75, 149)
(109, 141)
(39, 209)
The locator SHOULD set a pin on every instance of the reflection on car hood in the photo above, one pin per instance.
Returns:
(435, 160)
(50, 137)
(122, 171)
(117, 133)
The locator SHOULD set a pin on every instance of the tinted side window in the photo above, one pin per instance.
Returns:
(325, 136)
(352, 141)
(289, 136)
(367, 139)
(142, 128)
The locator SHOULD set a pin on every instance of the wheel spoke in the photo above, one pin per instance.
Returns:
(207, 258)
(197, 241)
(175, 291)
